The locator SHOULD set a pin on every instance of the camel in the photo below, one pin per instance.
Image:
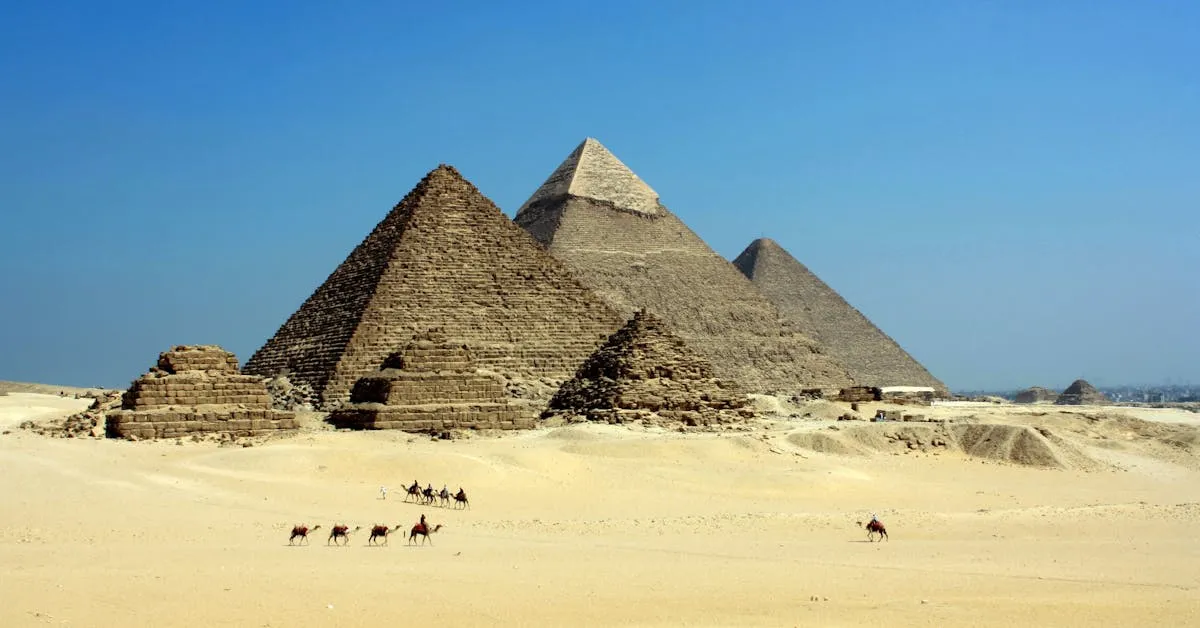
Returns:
(445, 497)
(875, 527)
(429, 496)
(424, 531)
(461, 499)
(302, 532)
(341, 532)
(414, 491)
(381, 531)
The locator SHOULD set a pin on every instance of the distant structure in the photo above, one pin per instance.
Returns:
(1081, 393)
(444, 257)
(430, 386)
(609, 228)
(196, 389)
(643, 366)
(1037, 394)
(871, 356)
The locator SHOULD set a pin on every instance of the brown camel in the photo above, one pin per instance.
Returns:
(876, 527)
(341, 532)
(414, 492)
(302, 532)
(381, 531)
(424, 531)
(460, 499)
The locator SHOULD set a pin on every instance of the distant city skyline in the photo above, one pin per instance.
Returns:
(1008, 190)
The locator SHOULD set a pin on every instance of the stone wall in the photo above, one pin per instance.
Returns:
(196, 389)
(445, 256)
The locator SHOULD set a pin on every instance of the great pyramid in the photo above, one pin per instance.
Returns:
(445, 257)
(871, 356)
(643, 366)
(610, 229)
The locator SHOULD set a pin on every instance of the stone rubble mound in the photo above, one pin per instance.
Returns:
(1081, 393)
(645, 372)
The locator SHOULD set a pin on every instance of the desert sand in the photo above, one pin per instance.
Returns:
(615, 525)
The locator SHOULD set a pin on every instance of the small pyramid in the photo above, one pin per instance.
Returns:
(871, 356)
(1081, 393)
(1036, 394)
(444, 257)
(609, 228)
(643, 366)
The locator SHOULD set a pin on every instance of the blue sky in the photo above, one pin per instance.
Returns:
(1009, 189)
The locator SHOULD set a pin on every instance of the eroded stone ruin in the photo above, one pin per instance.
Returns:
(431, 385)
(1036, 394)
(643, 368)
(445, 257)
(611, 230)
(1080, 392)
(196, 389)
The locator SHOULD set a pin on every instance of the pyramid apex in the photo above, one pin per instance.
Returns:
(591, 171)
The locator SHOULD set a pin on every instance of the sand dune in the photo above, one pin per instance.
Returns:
(602, 525)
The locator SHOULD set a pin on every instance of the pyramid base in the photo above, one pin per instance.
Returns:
(432, 418)
(176, 422)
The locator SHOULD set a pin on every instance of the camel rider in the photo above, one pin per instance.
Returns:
(422, 523)
(874, 519)
(416, 486)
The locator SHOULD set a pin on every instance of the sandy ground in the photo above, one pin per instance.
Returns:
(600, 525)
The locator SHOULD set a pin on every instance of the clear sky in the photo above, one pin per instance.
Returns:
(1009, 189)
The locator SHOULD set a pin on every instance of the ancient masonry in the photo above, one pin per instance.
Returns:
(610, 229)
(196, 389)
(430, 386)
(1037, 394)
(871, 356)
(444, 257)
(644, 367)
(1081, 393)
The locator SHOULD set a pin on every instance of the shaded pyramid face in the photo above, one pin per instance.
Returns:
(611, 230)
(445, 257)
(871, 356)
(644, 366)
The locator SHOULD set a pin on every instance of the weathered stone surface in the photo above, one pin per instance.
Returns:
(1080, 392)
(643, 366)
(872, 357)
(431, 385)
(635, 256)
(447, 257)
(1037, 394)
(196, 389)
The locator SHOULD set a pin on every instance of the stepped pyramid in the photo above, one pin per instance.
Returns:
(610, 229)
(1080, 392)
(445, 257)
(871, 356)
(645, 367)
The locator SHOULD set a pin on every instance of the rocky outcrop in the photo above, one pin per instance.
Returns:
(645, 368)
(196, 389)
(432, 386)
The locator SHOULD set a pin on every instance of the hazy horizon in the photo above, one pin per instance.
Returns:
(1007, 190)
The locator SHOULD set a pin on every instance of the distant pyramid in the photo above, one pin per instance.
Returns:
(1080, 392)
(445, 257)
(1036, 394)
(643, 366)
(871, 356)
(610, 229)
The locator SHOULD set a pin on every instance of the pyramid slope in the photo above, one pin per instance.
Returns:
(592, 172)
(445, 257)
(644, 367)
(872, 357)
(633, 260)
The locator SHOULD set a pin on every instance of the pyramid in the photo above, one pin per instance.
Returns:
(871, 356)
(610, 229)
(1036, 394)
(645, 367)
(1081, 393)
(444, 257)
